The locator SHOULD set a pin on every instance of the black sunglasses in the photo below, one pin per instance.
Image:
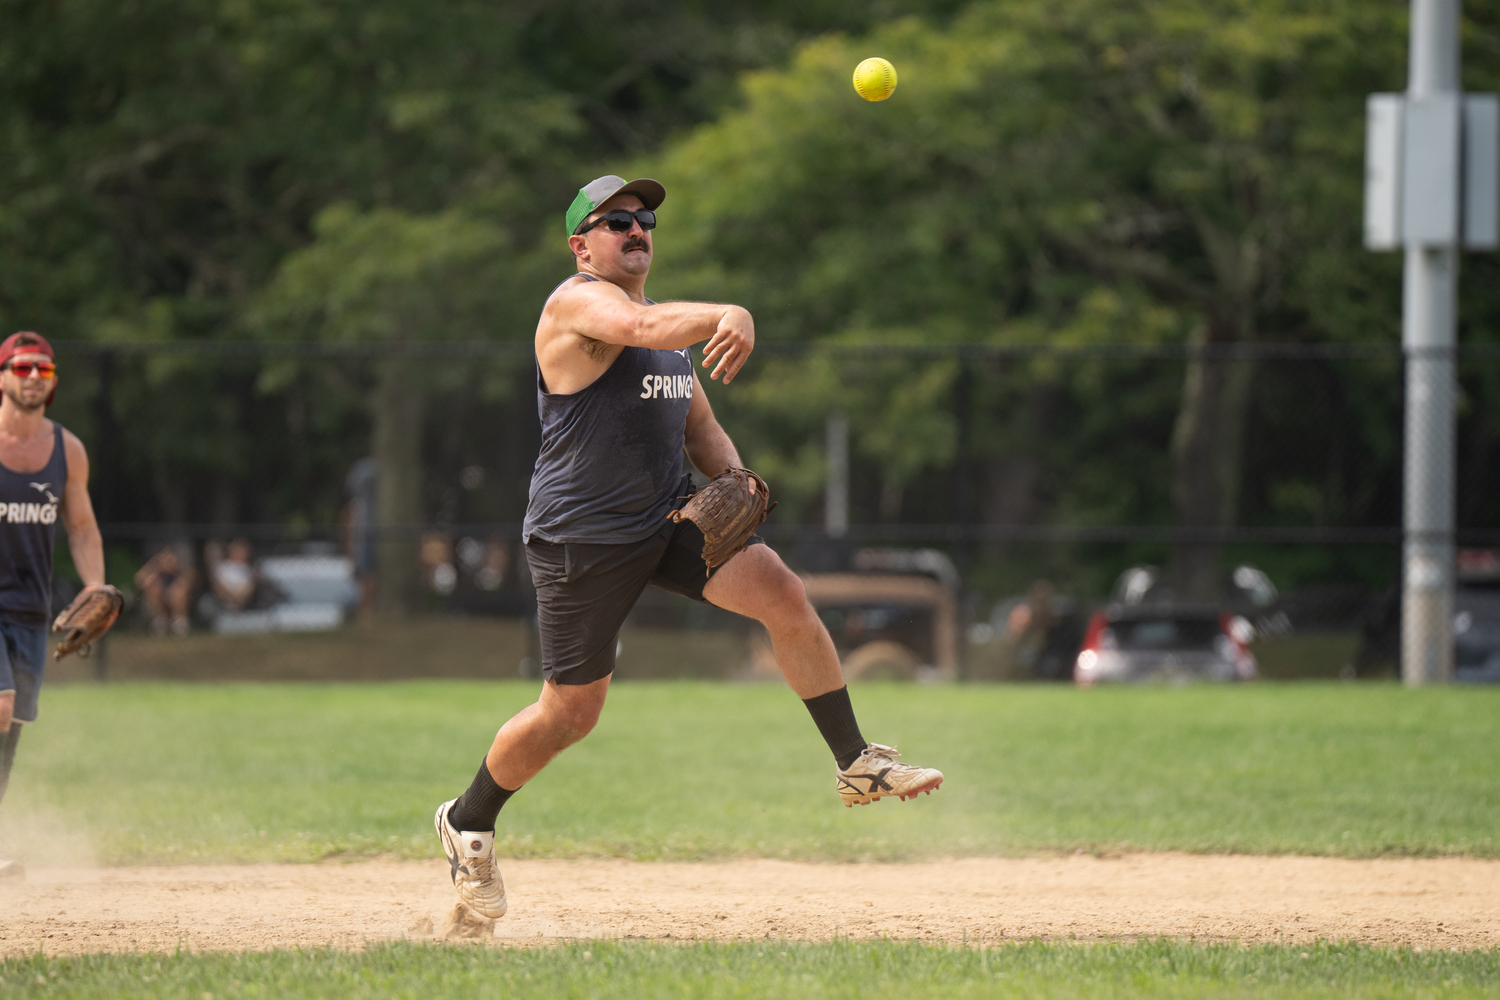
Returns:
(619, 221)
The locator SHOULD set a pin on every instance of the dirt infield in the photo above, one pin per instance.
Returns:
(1448, 903)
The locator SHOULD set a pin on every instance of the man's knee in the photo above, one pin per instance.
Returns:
(575, 722)
(784, 596)
(791, 592)
(573, 712)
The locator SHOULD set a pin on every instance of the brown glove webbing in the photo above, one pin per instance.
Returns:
(727, 511)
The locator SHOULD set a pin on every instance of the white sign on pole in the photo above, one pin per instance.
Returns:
(1430, 171)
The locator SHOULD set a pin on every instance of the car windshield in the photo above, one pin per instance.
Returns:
(1166, 633)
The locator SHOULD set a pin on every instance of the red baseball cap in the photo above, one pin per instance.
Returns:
(35, 344)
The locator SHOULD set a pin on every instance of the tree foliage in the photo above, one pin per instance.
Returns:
(202, 169)
(1072, 172)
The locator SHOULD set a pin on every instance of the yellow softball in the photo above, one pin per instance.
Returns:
(875, 79)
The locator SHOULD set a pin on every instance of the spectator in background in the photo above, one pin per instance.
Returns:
(1029, 625)
(435, 555)
(166, 585)
(1034, 616)
(233, 578)
(496, 560)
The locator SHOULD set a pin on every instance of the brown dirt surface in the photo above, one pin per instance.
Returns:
(1433, 903)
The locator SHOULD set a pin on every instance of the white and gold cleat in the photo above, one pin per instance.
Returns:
(471, 858)
(877, 773)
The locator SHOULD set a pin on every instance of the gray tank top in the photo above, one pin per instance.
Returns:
(611, 460)
(29, 505)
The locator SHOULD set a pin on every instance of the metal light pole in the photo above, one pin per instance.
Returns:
(1429, 333)
(836, 494)
(1430, 186)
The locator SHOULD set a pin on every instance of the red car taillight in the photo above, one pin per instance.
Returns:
(1227, 625)
(1239, 632)
(1088, 653)
(1095, 633)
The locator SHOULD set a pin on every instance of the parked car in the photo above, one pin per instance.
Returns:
(1476, 618)
(311, 593)
(893, 617)
(1476, 624)
(1164, 642)
(1031, 637)
(1476, 636)
(888, 625)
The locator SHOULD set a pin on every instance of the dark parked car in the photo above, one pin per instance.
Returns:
(1164, 642)
(1476, 635)
(1476, 624)
(1476, 618)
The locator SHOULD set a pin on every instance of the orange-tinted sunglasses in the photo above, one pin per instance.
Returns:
(23, 369)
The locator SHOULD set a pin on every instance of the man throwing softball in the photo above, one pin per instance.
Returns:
(44, 476)
(619, 403)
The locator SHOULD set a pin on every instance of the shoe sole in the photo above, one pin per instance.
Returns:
(864, 800)
(438, 824)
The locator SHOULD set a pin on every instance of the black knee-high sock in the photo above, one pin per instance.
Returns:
(477, 808)
(834, 715)
(8, 743)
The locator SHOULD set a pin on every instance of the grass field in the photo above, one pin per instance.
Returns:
(167, 773)
(473, 648)
(774, 969)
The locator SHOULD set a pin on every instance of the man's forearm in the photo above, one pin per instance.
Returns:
(87, 548)
(710, 450)
(671, 326)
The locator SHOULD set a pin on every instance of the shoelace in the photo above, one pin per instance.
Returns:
(481, 869)
(881, 751)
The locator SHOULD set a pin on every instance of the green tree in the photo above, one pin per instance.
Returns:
(163, 157)
(388, 278)
(1069, 171)
(173, 151)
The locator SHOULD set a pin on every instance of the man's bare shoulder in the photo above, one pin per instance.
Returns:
(568, 347)
(578, 312)
(577, 294)
(73, 447)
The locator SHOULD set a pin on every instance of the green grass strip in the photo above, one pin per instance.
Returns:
(901, 971)
(687, 771)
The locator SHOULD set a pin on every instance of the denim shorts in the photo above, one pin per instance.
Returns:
(23, 657)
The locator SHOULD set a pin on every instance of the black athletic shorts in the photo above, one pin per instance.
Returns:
(584, 592)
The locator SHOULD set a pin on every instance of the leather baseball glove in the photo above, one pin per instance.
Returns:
(727, 511)
(86, 619)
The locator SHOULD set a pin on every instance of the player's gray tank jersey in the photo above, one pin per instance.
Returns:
(611, 459)
(29, 505)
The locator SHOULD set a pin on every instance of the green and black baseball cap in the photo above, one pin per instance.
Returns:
(599, 190)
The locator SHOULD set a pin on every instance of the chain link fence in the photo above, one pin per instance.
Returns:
(386, 483)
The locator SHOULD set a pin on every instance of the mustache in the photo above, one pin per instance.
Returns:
(635, 243)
